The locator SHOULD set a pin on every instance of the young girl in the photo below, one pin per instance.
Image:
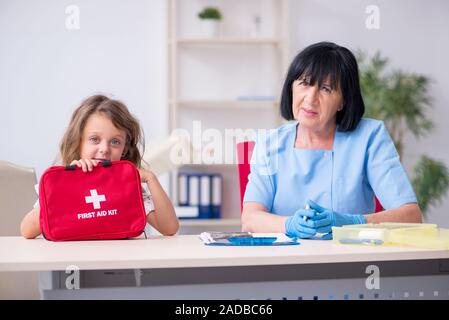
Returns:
(103, 129)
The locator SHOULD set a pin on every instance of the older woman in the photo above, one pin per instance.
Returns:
(326, 167)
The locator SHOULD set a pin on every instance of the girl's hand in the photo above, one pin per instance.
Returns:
(145, 175)
(85, 164)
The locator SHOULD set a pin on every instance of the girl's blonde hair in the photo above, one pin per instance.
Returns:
(120, 117)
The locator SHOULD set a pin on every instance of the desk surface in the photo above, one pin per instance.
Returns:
(19, 254)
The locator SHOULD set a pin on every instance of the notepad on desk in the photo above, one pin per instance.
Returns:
(246, 239)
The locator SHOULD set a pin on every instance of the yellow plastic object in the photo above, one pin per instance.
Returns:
(420, 235)
(415, 237)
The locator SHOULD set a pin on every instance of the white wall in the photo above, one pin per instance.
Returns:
(414, 34)
(47, 69)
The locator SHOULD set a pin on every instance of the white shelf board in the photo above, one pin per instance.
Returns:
(228, 41)
(212, 104)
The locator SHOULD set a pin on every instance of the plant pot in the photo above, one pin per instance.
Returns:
(209, 27)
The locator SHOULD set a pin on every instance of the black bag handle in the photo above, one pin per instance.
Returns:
(106, 163)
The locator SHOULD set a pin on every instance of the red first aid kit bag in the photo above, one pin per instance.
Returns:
(105, 203)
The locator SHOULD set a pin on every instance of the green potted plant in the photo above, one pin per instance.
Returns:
(400, 100)
(210, 18)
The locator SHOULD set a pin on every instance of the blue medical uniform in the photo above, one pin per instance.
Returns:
(361, 164)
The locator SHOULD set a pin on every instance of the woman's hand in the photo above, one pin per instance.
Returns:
(85, 164)
(334, 218)
(306, 223)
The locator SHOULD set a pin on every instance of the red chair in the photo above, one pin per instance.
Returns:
(244, 152)
(378, 206)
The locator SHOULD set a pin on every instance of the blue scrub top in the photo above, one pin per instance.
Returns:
(362, 163)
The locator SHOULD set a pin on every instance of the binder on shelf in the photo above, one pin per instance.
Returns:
(194, 190)
(202, 191)
(217, 182)
(205, 197)
(183, 196)
(187, 212)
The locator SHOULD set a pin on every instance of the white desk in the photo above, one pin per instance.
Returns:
(182, 267)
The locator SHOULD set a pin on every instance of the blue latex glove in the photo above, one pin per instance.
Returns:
(305, 224)
(334, 218)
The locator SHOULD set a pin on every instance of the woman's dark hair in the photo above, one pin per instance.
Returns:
(319, 62)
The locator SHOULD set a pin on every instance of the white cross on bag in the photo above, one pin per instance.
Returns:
(95, 198)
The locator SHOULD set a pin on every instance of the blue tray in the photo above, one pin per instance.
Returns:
(253, 241)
